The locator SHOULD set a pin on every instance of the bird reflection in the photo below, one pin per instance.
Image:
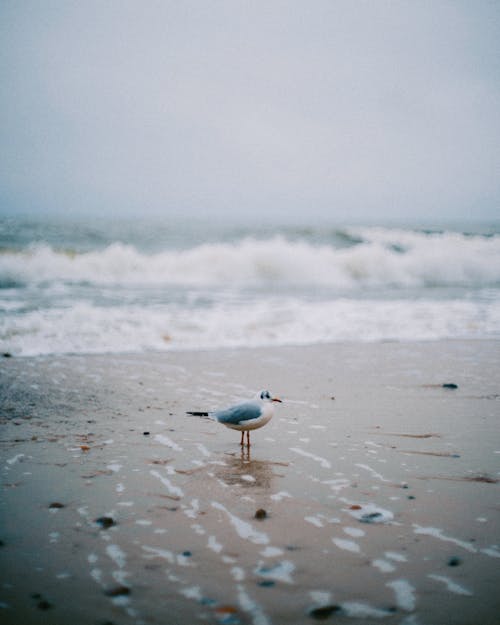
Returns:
(241, 469)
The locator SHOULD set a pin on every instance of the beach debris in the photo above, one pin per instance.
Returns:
(117, 591)
(56, 505)
(7, 355)
(369, 513)
(105, 522)
(84, 448)
(454, 561)
(260, 514)
(450, 385)
(146, 433)
(42, 604)
(226, 614)
(324, 612)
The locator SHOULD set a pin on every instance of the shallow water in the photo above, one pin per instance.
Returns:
(354, 526)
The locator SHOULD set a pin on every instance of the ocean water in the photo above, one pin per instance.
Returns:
(96, 285)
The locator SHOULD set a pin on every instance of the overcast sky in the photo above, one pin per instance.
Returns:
(354, 109)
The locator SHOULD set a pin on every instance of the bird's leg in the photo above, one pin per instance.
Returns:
(242, 442)
(248, 438)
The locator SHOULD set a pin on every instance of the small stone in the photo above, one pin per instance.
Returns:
(450, 385)
(321, 614)
(146, 433)
(260, 514)
(117, 591)
(267, 583)
(56, 505)
(44, 605)
(187, 554)
(454, 561)
(7, 355)
(105, 522)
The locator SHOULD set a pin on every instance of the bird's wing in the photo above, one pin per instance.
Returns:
(238, 414)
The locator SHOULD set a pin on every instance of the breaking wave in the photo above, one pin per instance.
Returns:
(379, 257)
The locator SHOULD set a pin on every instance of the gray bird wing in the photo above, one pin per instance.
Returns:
(238, 414)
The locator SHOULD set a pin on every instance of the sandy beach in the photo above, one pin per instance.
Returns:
(378, 487)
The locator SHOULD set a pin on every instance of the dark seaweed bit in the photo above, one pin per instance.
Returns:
(370, 517)
(321, 614)
(450, 385)
(117, 591)
(56, 505)
(105, 522)
(187, 554)
(454, 561)
(267, 583)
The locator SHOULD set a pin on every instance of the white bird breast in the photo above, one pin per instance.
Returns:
(254, 424)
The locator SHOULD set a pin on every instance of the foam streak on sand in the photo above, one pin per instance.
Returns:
(174, 491)
(438, 533)
(243, 529)
(451, 585)
(322, 461)
(254, 609)
(165, 440)
(405, 594)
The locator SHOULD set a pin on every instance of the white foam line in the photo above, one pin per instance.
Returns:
(193, 592)
(451, 585)
(214, 545)
(356, 609)
(347, 545)
(117, 555)
(383, 566)
(405, 594)
(160, 553)
(15, 459)
(165, 440)
(372, 471)
(438, 533)
(203, 450)
(280, 572)
(172, 489)
(314, 520)
(243, 529)
(247, 604)
(323, 461)
(281, 495)
(492, 551)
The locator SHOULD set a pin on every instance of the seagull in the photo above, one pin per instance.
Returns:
(249, 415)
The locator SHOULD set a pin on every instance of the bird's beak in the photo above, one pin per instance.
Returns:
(276, 399)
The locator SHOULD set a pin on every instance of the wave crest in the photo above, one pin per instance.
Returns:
(382, 258)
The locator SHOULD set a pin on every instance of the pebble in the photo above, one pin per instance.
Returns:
(321, 614)
(260, 514)
(105, 522)
(450, 385)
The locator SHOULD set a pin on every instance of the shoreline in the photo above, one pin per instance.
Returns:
(380, 487)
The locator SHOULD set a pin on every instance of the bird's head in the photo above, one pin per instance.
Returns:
(266, 396)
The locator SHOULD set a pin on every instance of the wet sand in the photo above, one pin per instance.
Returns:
(380, 488)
